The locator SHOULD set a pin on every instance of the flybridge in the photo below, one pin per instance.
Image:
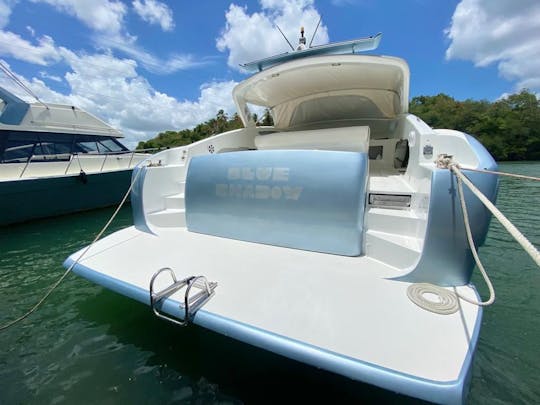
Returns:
(355, 45)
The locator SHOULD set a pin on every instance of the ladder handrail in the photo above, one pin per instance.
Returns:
(191, 304)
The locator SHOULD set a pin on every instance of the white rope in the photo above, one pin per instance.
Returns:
(518, 176)
(447, 301)
(446, 304)
(57, 283)
(517, 235)
(491, 299)
(445, 161)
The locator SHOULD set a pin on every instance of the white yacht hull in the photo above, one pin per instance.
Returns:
(314, 229)
(343, 314)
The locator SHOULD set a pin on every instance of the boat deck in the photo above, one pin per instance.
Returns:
(344, 314)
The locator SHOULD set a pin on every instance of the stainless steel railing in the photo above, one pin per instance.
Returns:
(75, 156)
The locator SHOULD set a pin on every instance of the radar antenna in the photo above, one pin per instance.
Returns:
(301, 40)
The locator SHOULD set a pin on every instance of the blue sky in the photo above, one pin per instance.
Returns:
(146, 66)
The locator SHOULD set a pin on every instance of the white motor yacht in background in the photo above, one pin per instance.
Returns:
(332, 237)
(58, 159)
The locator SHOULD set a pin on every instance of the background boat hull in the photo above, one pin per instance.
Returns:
(28, 199)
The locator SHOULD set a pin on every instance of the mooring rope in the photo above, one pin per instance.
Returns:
(57, 283)
(491, 299)
(445, 161)
(445, 305)
(518, 176)
(516, 234)
(447, 301)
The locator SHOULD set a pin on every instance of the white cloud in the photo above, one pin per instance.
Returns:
(43, 53)
(99, 15)
(112, 89)
(150, 62)
(106, 19)
(5, 11)
(248, 37)
(45, 75)
(108, 86)
(504, 32)
(154, 12)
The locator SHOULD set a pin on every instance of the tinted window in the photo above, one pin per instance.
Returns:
(93, 144)
(87, 147)
(112, 145)
(18, 148)
(54, 144)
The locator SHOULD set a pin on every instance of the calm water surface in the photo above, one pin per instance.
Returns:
(89, 345)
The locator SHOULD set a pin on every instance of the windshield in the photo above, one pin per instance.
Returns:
(18, 146)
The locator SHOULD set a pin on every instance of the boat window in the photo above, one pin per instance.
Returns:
(55, 148)
(54, 144)
(19, 146)
(87, 147)
(93, 144)
(15, 150)
(112, 145)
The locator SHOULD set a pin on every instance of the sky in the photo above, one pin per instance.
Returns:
(146, 66)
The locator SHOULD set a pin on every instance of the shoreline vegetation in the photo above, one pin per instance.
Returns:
(509, 128)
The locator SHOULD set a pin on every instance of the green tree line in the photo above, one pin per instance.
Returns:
(509, 128)
(221, 123)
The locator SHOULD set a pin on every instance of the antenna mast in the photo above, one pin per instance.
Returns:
(277, 26)
(314, 32)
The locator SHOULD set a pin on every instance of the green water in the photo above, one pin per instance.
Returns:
(89, 345)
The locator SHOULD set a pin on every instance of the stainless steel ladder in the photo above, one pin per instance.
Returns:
(191, 303)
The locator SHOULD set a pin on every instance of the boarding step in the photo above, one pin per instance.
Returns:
(395, 250)
(175, 201)
(397, 221)
(389, 191)
(192, 301)
(389, 184)
(168, 218)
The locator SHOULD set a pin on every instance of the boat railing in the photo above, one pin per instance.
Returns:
(75, 156)
(26, 165)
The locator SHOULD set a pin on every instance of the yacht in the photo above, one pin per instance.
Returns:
(57, 159)
(334, 237)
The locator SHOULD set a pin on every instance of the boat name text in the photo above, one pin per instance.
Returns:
(258, 191)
